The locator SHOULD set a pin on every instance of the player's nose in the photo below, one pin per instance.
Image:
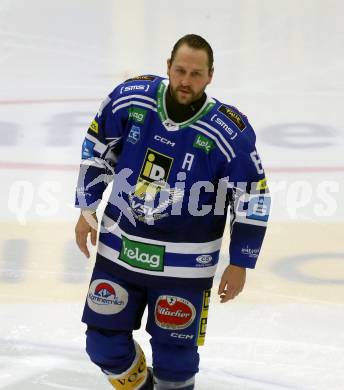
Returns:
(185, 80)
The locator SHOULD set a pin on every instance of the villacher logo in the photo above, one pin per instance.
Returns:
(174, 312)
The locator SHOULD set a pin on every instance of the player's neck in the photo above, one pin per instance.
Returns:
(182, 112)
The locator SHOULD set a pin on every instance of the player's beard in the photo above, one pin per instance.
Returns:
(185, 98)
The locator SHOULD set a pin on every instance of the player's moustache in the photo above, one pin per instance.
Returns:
(183, 89)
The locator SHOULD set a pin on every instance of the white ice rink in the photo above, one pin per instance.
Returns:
(282, 64)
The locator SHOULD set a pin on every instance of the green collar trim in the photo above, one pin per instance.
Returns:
(162, 112)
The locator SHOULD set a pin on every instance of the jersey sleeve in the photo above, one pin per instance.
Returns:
(101, 149)
(249, 202)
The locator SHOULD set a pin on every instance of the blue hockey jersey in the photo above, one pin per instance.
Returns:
(172, 186)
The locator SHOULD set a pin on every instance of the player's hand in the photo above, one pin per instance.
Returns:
(87, 224)
(232, 282)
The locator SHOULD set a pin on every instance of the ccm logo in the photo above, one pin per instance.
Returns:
(182, 336)
(164, 140)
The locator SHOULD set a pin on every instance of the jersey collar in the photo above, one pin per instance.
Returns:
(168, 123)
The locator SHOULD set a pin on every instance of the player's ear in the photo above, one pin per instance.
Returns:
(211, 73)
(168, 66)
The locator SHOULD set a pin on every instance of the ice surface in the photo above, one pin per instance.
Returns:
(282, 64)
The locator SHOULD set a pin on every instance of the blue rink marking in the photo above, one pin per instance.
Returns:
(75, 267)
(13, 260)
(288, 268)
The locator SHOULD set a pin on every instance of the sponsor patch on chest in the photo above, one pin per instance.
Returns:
(203, 143)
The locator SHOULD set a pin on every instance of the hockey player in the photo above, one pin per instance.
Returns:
(178, 160)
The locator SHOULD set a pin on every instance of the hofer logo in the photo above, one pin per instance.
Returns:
(174, 312)
(140, 255)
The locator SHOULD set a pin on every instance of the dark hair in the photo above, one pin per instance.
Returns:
(196, 42)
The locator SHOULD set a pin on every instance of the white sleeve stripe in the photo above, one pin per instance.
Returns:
(98, 146)
(93, 139)
(92, 163)
(136, 103)
(219, 134)
(129, 97)
(247, 221)
(213, 137)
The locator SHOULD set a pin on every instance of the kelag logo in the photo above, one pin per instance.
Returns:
(203, 143)
(174, 312)
(141, 255)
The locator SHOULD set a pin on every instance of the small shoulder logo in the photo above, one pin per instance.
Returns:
(233, 116)
(138, 115)
(142, 78)
(94, 126)
(87, 149)
(262, 185)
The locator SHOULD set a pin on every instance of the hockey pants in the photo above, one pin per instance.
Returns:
(176, 322)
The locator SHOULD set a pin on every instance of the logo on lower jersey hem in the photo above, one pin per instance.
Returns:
(140, 255)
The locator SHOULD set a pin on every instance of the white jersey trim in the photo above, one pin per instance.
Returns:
(92, 163)
(175, 272)
(134, 102)
(186, 248)
(228, 146)
(130, 97)
(213, 137)
(247, 221)
(98, 146)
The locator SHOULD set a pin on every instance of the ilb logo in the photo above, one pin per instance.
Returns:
(154, 173)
